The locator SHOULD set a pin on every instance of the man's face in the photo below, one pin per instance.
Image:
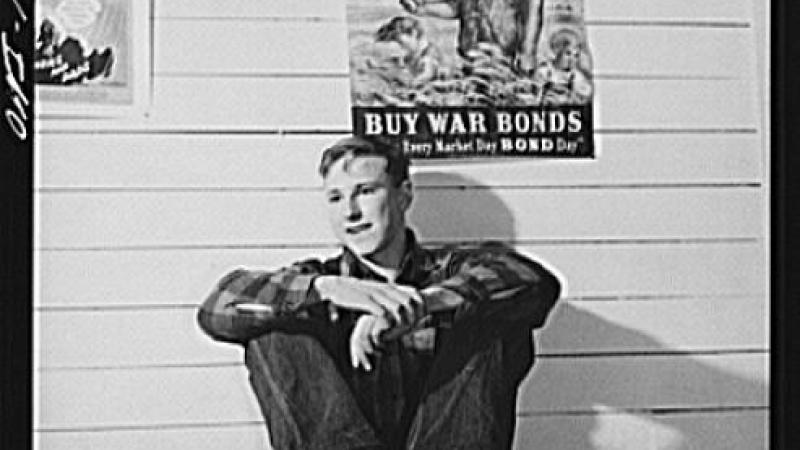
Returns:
(365, 209)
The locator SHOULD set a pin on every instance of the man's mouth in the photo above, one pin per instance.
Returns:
(355, 229)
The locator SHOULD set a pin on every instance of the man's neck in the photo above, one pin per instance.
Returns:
(388, 273)
(387, 262)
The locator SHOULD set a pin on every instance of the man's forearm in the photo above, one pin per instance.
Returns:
(245, 303)
(502, 285)
(369, 296)
(438, 299)
(435, 300)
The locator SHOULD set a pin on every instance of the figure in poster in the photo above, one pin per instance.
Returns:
(511, 25)
(469, 53)
(60, 59)
(562, 80)
(421, 58)
(431, 61)
(91, 57)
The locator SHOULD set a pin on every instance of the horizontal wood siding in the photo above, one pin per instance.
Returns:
(711, 430)
(660, 342)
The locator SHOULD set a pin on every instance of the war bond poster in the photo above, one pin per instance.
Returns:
(91, 57)
(468, 78)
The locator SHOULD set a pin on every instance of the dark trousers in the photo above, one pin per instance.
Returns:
(460, 396)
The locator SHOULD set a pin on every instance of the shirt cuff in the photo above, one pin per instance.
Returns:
(301, 293)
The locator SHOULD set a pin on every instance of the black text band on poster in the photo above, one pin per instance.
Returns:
(451, 132)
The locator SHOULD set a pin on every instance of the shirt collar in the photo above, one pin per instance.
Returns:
(414, 266)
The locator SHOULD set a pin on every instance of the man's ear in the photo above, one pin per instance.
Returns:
(406, 194)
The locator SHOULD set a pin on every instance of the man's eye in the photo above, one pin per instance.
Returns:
(334, 198)
(368, 190)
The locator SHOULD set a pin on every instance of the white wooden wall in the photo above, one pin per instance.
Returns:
(661, 342)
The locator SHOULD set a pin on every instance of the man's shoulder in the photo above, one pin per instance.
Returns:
(329, 266)
(453, 253)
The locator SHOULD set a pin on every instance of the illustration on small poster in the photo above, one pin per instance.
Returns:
(472, 78)
(91, 56)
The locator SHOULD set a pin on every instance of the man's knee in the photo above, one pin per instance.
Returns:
(304, 398)
(289, 354)
(471, 399)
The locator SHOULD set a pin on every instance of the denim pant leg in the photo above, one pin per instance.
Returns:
(306, 402)
(469, 401)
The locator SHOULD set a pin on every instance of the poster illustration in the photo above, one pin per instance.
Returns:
(91, 57)
(467, 78)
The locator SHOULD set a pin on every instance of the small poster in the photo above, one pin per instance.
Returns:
(473, 78)
(91, 57)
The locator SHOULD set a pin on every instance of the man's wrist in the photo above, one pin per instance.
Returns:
(322, 284)
(439, 299)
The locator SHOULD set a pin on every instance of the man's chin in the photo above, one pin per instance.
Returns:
(363, 250)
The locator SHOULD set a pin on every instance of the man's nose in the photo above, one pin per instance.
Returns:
(352, 210)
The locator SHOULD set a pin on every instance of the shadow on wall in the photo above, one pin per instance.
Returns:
(441, 213)
(665, 378)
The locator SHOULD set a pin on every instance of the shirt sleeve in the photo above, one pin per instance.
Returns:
(245, 303)
(500, 284)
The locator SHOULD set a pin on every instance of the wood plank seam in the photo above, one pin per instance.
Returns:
(665, 23)
(144, 306)
(331, 245)
(673, 411)
(543, 355)
(494, 187)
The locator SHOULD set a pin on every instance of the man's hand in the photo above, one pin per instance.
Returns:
(366, 338)
(399, 304)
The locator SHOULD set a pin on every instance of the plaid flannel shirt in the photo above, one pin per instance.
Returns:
(505, 285)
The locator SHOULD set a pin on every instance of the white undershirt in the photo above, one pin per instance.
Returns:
(390, 274)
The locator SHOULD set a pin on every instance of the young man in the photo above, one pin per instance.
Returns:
(388, 345)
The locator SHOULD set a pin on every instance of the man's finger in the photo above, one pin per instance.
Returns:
(360, 345)
(365, 362)
(391, 307)
(355, 351)
(361, 356)
(404, 295)
(358, 357)
(375, 338)
(412, 292)
(377, 332)
(375, 308)
(412, 304)
(408, 298)
(366, 343)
